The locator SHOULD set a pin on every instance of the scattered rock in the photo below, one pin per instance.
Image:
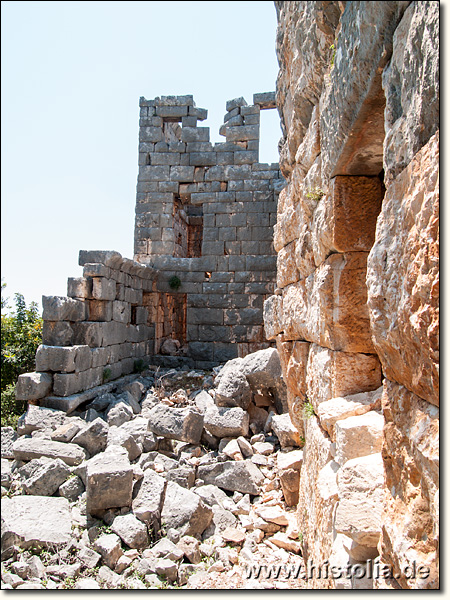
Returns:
(241, 476)
(131, 531)
(183, 510)
(185, 424)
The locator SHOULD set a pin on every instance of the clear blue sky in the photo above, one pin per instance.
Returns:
(72, 75)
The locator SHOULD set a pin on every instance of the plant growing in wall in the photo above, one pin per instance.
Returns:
(315, 194)
(308, 410)
(174, 282)
(106, 375)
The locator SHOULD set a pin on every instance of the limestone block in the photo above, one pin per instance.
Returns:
(195, 134)
(93, 436)
(8, 437)
(79, 287)
(62, 308)
(226, 422)
(29, 448)
(40, 418)
(361, 489)
(184, 511)
(109, 547)
(131, 531)
(148, 497)
(103, 288)
(332, 374)
(58, 333)
(411, 85)
(346, 217)
(100, 310)
(340, 408)
(329, 307)
(343, 119)
(33, 386)
(185, 424)
(96, 270)
(294, 359)
(287, 271)
(309, 148)
(285, 431)
(315, 513)
(109, 258)
(109, 481)
(35, 520)
(242, 476)
(411, 463)
(63, 359)
(121, 311)
(403, 277)
(46, 480)
(233, 390)
(358, 436)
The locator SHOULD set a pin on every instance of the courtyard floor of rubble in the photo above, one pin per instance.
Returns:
(176, 528)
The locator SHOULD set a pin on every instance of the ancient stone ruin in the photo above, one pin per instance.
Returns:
(253, 401)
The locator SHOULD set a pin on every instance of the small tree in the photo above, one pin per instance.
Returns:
(21, 335)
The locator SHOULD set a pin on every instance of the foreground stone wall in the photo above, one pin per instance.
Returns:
(204, 220)
(100, 331)
(355, 312)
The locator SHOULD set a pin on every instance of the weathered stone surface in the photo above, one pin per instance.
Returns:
(285, 431)
(131, 531)
(190, 548)
(233, 390)
(315, 517)
(66, 432)
(118, 437)
(340, 408)
(403, 277)
(360, 484)
(35, 520)
(332, 374)
(71, 489)
(108, 546)
(211, 494)
(118, 413)
(33, 386)
(8, 437)
(411, 462)
(46, 480)
(329, 307)
(411, 86)
(40, 418)
(29, 448)
(272, 312)
(183, 510)
(61, 308)
(109, 481)
(176, 423)
(226, 422)
(272, 514)
(148, 497)
(241, 476)
(93, 437)
(358, 436)
(167, 549)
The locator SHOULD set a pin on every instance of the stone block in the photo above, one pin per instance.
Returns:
(242, 133)
(184, 511)
(58, 333)
(202, 159)
(226, 422)
(121, 311)
(330, 306)
(332, 374)
(340, 408)
(109, 258)
(403, 277)
(79, 287)
(148, 497)
(360, 508)
(29, 521)
(285, 431)
(195, 134)
(183, 424)
(45, 480)
(358, 436)
(109, 481)
(242, 476)
(33, 386)
(103, 289)
(100, 310)
(265, 100)
(29, 448)
(96, 270)
(411, 467)
(61, 308)
(235, 103)
(64, 359)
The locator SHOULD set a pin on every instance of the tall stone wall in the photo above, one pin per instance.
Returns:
(204, 220)
(355, 311)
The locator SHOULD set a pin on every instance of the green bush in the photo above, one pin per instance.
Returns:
(21, 335)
